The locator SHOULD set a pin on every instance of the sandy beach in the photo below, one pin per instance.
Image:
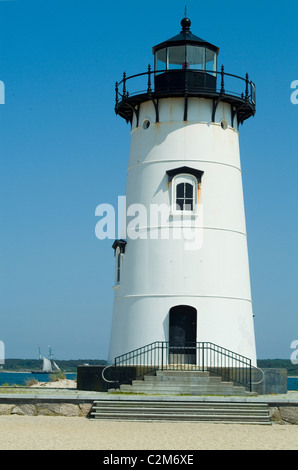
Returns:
(68, 433)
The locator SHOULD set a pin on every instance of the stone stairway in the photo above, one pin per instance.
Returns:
(183, 383)
(180, 410)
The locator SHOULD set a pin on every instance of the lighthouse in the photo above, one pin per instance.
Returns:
(181, 262)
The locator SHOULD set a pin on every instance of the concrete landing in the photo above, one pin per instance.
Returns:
(13, 394)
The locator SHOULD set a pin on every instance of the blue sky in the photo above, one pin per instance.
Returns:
(63, 151)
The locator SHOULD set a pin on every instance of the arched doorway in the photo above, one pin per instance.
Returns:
(182, 335)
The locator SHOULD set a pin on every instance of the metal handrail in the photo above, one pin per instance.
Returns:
(248, 94)
(199, 356)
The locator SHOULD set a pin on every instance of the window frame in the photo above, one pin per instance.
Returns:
(118, 263)
(119, 250)
(184, 178)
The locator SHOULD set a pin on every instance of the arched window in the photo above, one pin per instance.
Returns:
(119, 247)
(118, 265)
(186, 183)
(184, 194)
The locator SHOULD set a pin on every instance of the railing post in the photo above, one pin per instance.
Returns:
(222, 88)
(203, 359)
(117, 91)
(124, 85)
(149, 89)
(162, 356)
(252, 92)
(246, 87)
(114, 371)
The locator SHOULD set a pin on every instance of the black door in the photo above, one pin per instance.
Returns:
(183, 335)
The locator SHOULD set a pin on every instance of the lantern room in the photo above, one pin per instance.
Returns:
(185, 58)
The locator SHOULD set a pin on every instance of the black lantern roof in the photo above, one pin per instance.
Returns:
(185, 37)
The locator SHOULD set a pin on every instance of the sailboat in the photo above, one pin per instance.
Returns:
(48, 365)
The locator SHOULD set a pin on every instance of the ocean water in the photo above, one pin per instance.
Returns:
(20, 378)
(292, 383)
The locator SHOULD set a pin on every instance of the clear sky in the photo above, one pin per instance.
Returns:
(63, 151)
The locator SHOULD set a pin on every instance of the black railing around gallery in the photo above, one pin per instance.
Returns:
(155, 84)
(242, 88)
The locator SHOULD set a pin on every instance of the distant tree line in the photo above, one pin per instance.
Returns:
(28, 365)
(279, 364)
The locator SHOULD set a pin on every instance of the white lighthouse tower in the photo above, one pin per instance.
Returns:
(181, 263)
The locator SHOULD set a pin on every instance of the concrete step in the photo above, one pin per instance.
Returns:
(182, 373)
(179, 404)
(178, 392)
(178, 383)
(150, 384)
(181, 379)
(222, 389)
(134, 410)
(173, 382)
(159, 417)
(180, 411)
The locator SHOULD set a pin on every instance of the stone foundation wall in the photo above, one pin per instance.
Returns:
(284, 414)
(46, 409)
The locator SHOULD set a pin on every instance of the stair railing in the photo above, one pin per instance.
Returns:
(200, 356)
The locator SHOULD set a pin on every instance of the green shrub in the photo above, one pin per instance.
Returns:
(55, 376)
(31, 382)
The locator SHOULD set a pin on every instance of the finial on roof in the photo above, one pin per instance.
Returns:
(185, 23)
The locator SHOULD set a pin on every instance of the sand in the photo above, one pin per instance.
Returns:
(68, 433)
(63, 383)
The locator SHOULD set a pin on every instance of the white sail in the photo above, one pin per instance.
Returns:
(47, 366)
(55, 367)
